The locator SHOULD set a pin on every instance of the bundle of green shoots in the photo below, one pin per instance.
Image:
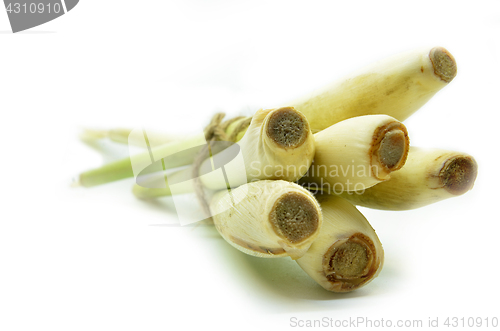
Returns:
(309, 163)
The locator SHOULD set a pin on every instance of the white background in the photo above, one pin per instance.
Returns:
(98, 259)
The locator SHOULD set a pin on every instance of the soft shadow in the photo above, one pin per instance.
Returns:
(167, 206)
(284, 277)
(164, 205)
(281, 277)
(27, 32)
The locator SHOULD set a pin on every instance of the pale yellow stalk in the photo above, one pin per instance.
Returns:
(358, 153)
(347, 254)
(397, 86)
(429, 176)
(268, 218)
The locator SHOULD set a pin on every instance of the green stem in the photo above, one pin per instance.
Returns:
(132, 166)
(150, 193)
(122, 136)
(125, 168)
(108, 173)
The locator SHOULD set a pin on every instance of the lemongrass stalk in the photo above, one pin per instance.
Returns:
(396, 86)
(157, 185)
(124, 168)
(347, 254)
(358, 153)
(122, 136)
(268, 218)
(277, 145)
(429, 176)
(133, 165)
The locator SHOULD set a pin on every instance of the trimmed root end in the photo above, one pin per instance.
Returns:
(444, 64)
(294, 217)
(393, 149)
(287, 128)
(350, 263)
(458, 174)
(390, 149)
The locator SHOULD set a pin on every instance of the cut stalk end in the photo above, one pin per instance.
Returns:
(287, 128)
(458, 174)
(392, 149)
(294, 217)
(389, 150)
(443, 63)
(350, 263)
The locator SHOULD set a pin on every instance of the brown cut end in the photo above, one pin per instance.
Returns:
(294, 217)
(287, 127)
(350, 260)
(350, 263)
(458, 174)
(444, 64)
(390, 149)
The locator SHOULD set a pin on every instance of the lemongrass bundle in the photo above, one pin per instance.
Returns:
(268, 218)
(358, 153)
(429, 176)
(396, 86)
(347, 253)
(278, 145)
(361, 156)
